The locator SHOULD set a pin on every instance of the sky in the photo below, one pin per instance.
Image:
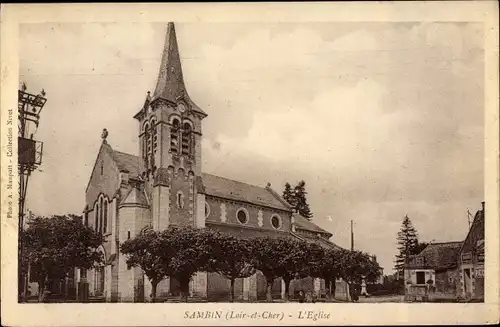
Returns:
(381, 120)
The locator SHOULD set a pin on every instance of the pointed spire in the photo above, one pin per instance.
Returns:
(170, 84)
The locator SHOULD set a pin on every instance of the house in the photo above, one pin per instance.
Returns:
(165, 185)
(471, 261)
(433, 272)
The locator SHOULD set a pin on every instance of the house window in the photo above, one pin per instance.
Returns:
(207, 210)
(276, 221)
(420, 278)
(180, 200)
(174, 136)
(242, 216)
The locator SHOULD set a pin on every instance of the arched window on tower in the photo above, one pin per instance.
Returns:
(145, 139)
(174, 136)
(186, 139)
(154, 135)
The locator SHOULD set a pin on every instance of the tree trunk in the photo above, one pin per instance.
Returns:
(287, 281)
(41, 289)
(333, 288)
(269, 290)
(231, 291)
(328, 289)
(184, 286)
(154, 285)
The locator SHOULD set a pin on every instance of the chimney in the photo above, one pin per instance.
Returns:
(482, 203)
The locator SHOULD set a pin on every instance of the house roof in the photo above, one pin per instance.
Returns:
(441, 255)
(239, 191)
(478, 222)
(303, 223)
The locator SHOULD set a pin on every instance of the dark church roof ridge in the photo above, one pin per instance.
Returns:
(239, 191)
(302, 222)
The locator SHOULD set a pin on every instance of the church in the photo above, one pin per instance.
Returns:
(165, 185)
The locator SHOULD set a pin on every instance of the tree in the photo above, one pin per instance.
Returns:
(191, 250)
(297, 199)
(55, 246)
(294, 262)
(150, 251)
(267, 254)
(324, 263)
(231, 258)
(407, 244)
(356, 266)
(289, 195)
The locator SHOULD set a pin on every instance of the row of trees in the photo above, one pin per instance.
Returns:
(55, 246)
(181, 252)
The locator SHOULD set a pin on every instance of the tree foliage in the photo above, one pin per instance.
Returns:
(231, 258)
(324, 263)
(407, 244)
(297, 198)
(150, 251)
(55, 246)
(356, 266)
(267, 256)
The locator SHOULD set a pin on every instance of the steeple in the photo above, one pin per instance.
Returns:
(170, 84)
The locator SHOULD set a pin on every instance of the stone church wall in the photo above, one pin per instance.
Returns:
(224, 211)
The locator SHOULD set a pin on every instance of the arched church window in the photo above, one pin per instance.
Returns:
(105, 228)
(154, 135)
(186, 139)
(145, 139)
(180, 200)
(174, 136)
(100, 215)
(207, 210)
(96, 216)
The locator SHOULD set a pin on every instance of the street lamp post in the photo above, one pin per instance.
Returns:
(29, 158)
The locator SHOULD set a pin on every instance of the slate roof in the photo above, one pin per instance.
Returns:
(234, 190)
(440, 256)
(303, 223)
(133, 164)
(135, 196)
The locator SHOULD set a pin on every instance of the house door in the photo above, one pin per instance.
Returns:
(467, 281)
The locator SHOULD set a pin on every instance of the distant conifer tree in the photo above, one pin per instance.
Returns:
(407, 244)
(297, 199)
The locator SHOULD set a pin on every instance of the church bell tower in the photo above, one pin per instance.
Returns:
(170, 143)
